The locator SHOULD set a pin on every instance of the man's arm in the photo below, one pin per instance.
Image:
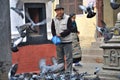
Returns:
(53, 28)
(68, 30)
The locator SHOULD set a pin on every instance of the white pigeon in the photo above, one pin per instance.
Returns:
(97, 69)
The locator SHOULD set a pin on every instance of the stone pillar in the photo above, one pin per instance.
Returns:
(111, 55)
(5, 52)
(112, 50)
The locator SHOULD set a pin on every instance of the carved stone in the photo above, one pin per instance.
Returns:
(112, 50)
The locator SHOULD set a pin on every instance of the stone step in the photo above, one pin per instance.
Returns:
(108, 78)
(93, 77)
(92, 51)
(92, 55)
(92, 59)
(109, 75)
(96, 44)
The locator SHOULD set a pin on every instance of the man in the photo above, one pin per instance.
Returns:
(61, 27)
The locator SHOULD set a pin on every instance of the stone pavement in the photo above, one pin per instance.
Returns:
(88, 67)
(103, 74)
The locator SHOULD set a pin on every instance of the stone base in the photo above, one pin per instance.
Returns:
(105, 67)
(109, 75)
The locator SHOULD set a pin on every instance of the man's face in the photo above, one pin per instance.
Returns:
(59, 12)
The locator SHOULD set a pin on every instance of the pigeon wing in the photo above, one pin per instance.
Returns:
(54, 61)
(98, 29)
(83, 8)
(91, 5)
(28, 17)
(41, 23)
(19, 5)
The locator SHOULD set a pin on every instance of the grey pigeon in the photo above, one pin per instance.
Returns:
(54, 61)
(12, 72)
(89, 10)
(114, 4)
(45, 68)
(22, 28)
(19, 8)
(106, 33)
(42, 66)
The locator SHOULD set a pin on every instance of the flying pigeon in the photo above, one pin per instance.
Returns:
(89, 10)
(114, 4)
(97, 69)
(15, 44)
(33, 24)
(22, 28)
(54, 61)
(45, 68)
(19, 8)
(106, 33)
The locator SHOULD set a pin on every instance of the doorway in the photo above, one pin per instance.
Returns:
(37, 12)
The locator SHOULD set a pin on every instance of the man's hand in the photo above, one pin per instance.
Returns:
(58, 35)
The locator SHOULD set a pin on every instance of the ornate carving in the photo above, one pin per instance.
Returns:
(113, 57)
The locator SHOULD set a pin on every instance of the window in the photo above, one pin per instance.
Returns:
(71, 6)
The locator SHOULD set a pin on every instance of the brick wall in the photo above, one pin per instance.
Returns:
(28, 56)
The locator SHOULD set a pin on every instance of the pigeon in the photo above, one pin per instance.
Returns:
(114, 5)
(15, 44)
(54, 61)
(106, 33)
(97, 69)
(33, 24)
(45, 68)
(19, 8)
(89, 10)
(42, 66)
(12, 72)
(22, 28)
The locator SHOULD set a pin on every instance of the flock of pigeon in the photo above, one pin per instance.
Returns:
(51, 72)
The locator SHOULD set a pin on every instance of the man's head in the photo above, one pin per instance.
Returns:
(59, 10)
